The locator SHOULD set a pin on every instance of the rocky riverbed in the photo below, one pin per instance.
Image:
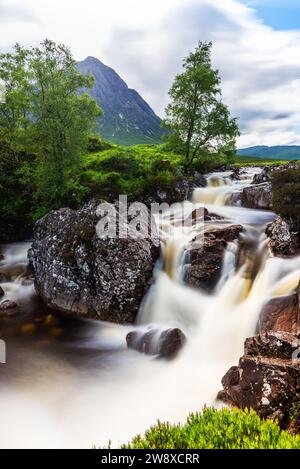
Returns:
(125, 322)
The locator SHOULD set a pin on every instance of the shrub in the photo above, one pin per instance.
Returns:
(96, 143)
(121, 164)
(217, 429)
(286, 194)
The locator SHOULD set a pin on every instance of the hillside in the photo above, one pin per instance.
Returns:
(276, 152)
(127, 117)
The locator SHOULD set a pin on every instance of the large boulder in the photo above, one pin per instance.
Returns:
(258, 196)
(267, 378)
(205, 262)
(281, 314)
(78, 272)
(282, 240)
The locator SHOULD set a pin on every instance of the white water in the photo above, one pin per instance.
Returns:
(56, 403)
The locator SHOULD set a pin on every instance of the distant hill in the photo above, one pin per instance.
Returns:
(127, 119)
(277, 152)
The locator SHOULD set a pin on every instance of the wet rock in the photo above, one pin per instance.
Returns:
(2, 293)
(267, 378)
(235, 199)
(206, 261)
(237, 173)
(281, 314)
(199, 179)
(164, 344)
(282, 240)
(272, 344)
(209, 216)
(8, 304)
(8, 309)
(77, 272)
(258, 196)
(265, 175)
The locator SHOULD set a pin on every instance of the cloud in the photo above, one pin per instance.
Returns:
(146, 42)
(17, 24)
(259, 67)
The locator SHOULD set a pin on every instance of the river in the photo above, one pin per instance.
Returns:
(75, 384)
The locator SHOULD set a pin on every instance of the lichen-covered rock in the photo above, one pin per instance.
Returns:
(282, 240)
(78, 272)
(258, 196)
(205, 262)
(267, 378)
(164, 344)
(264, 175)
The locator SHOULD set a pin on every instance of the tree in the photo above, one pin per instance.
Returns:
(45, 112)
(196, 115)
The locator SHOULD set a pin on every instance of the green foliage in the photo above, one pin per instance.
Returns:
(200, 123)
(254, 161)
(217, 429)
(96, 143)
(286, 194)
(43, 114)
(135, 171)
(15, 197)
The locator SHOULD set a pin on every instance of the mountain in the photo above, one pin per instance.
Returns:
(127, 119)
(277, 152)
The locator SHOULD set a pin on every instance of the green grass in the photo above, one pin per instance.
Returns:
(217, 429)
(139, 170)
(255, 161)
(134, 171)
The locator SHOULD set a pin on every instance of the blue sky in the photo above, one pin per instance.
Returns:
(279, 14)
(256, 47)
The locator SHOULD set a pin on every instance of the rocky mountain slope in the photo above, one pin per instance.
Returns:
(127, 119)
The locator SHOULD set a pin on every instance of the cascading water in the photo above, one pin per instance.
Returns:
(110, 392)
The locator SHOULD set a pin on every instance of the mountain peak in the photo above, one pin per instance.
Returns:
(127, 117)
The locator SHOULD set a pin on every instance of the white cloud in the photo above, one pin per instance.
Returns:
(146, 41)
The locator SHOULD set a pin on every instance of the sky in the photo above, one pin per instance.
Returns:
(256, 47)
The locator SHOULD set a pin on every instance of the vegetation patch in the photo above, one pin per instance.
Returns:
(217, 429)
(286, 195)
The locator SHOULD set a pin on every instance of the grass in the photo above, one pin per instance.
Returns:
(217, 429)
(135, 171)
(256, 161)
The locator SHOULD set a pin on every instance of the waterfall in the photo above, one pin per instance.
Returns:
(119, 393)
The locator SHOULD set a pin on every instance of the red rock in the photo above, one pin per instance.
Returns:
(206, 261)
(281, 314)
(267, 378)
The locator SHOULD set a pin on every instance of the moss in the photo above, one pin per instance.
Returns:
(217, 429)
